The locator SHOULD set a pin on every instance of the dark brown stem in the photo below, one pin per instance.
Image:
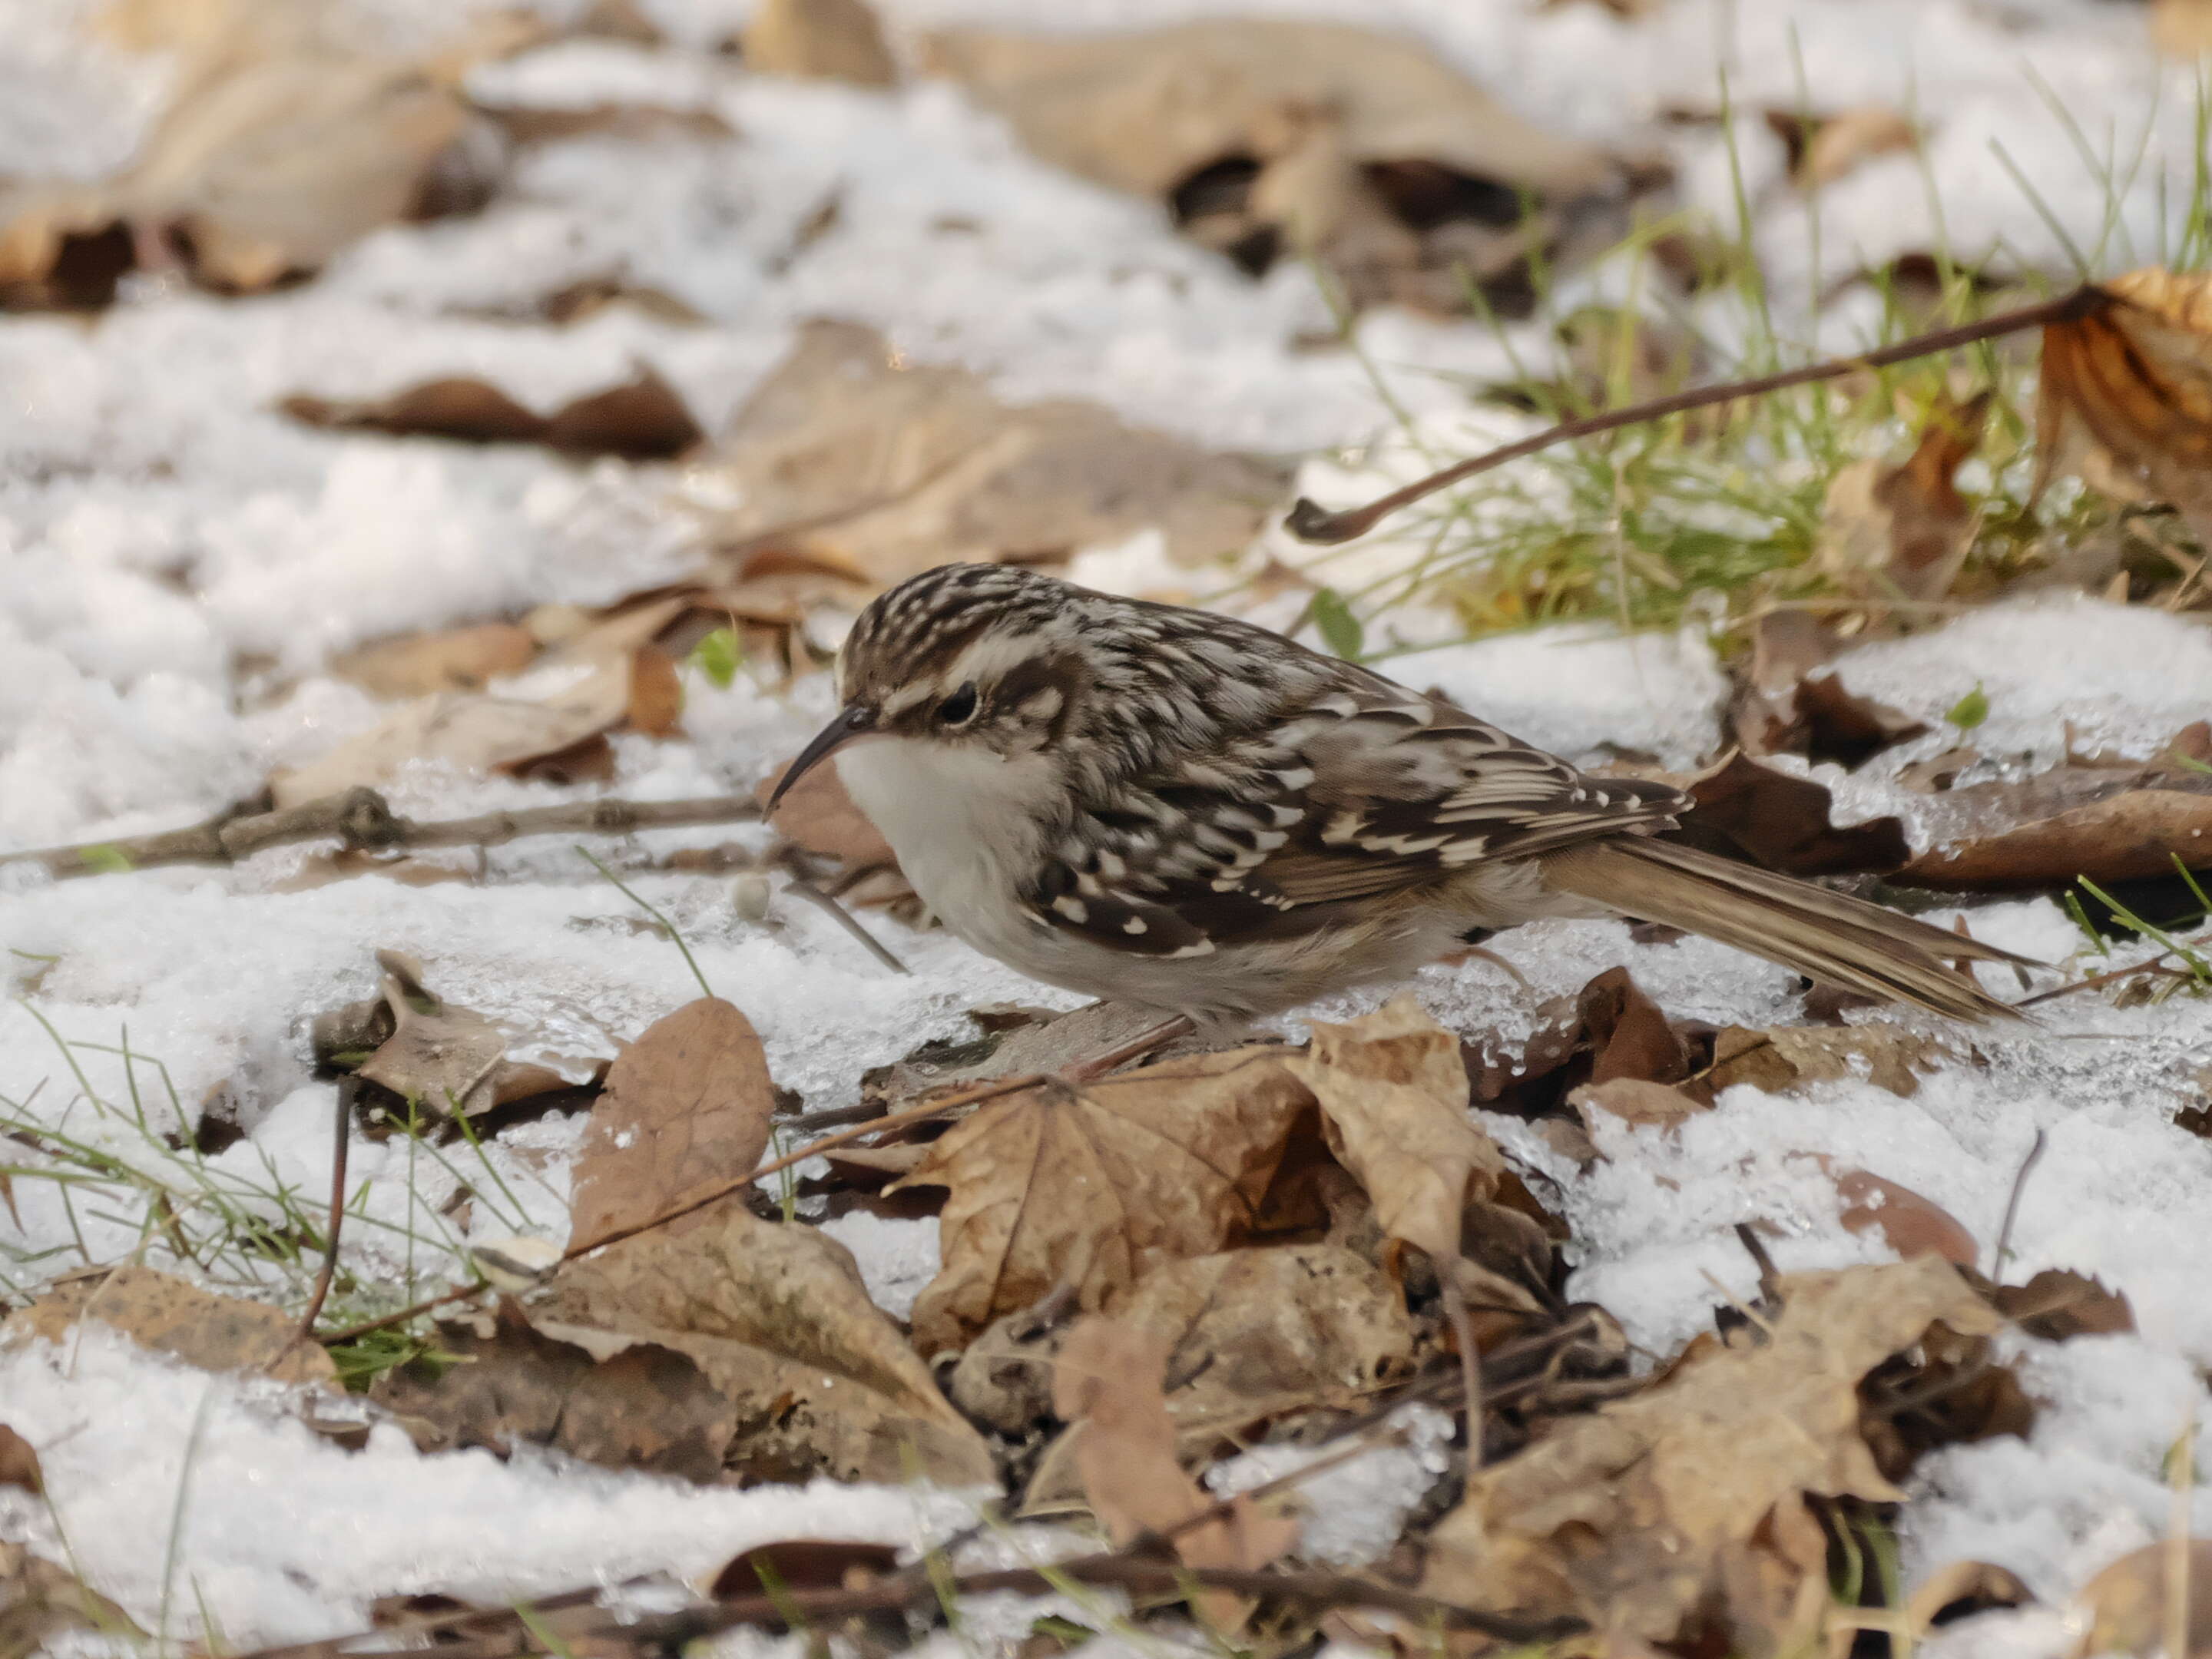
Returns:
(361, 819)
(2012, 1206)
(342, 1137)
(582, 1629)
(837, 913)
(1310, 522)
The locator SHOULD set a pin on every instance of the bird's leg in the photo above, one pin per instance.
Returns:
(1152, 1037)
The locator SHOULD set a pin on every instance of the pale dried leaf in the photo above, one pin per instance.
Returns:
(1394, 1099)
(43, 1604)
(890, 467)
(1636, 1100)
(1652, 1508)
(1903, 532)
(452, 660)
(819, 815)
(160, 1311)
(779, 1320)
(1843, 142)
(819, 39)
(2182, 28)
(1094, 1186)
(476, 733)
(2126, 1607)
(1107, 1385)
(686, 1108)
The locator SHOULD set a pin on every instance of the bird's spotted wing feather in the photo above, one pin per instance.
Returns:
(1364, 790)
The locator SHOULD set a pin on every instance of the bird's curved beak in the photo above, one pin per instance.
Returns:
(856, 722)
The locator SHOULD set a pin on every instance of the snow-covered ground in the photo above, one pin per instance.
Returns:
(178, 560)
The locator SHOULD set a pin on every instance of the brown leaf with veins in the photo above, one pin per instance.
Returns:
(776, 1316)
(2125, 397)
(1682, 1509)
(1093, 1187)
(1786, 1057)
(1107, 1384)
(686, 1108)
(161, 1311)
(1394, 1099)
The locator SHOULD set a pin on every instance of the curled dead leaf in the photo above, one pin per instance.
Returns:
(642, 419)
(2125, 397)
(1785, 823)
(1910, 1223)
(1903, 532)
(686, 1108)
(1092, 1186)
(1394, 1098)
(776, 1316)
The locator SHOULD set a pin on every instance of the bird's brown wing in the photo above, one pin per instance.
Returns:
(1369, 789)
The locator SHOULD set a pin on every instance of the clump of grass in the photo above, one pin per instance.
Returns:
(129, 1193)
(1716, 515)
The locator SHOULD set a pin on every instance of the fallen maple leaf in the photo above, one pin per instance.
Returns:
(1107, 1384)
(1092, 1186)
(1394, 1099)
(686, 1108)
(1687, 1502)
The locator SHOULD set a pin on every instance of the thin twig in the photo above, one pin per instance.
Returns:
(2012, 1207)
(1470, 1362)
(2154, 965)
(342, 1138)
(1310, 522)
(713, 1195)
(363, 821)
(837, 913)
(901, 1593)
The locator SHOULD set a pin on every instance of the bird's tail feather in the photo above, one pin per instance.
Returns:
(1843, 940)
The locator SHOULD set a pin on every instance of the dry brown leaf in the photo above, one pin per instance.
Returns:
(160, 1311)
(1629, 1034)
(1394, 1099)
(819, 39)
(1263, 136)
(1959, 1588)
(1252, 1334)
(848, 450)
(1784, 821)
(1903, 532)
(2136, 835)
(1786, 1057)
(1094, 1186)
(2057, 1304)
(686, 1108)
(1910, 1224)
(641, 419)
(797, 1563)
(2125, 397)
(779, 1320)
(1107, 1385)
(19, 1464)
(443, 1059)
(452, 660)
(2127, 1607)
(1841, 142)
(42, 1604)
(625, 1404)
(1687, 1502)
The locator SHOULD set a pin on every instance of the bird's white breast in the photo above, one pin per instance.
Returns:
(967, 827)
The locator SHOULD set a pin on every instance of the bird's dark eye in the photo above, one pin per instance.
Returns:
(960, 708)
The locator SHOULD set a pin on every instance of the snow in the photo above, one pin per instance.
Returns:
(179, 562)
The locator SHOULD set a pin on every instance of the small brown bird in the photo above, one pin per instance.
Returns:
(1175, 809)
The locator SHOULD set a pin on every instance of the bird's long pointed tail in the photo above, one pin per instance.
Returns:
(1843, 940)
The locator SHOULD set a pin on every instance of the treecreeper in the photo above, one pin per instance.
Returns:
(1182, 810)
